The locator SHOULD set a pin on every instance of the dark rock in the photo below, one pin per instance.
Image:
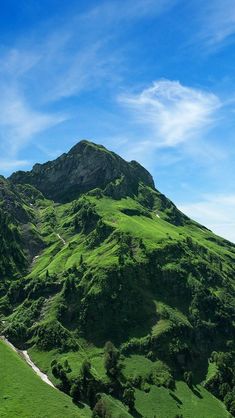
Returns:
(85, 167)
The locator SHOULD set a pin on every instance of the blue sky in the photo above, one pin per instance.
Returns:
(153, 80)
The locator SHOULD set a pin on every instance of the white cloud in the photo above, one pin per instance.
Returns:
(19, 122)
(172, 112)
(217, 212)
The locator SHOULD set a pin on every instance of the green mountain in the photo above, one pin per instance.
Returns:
(127, 304)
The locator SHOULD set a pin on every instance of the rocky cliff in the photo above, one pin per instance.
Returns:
(85, 167)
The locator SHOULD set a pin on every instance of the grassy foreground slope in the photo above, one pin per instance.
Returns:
(24, 395)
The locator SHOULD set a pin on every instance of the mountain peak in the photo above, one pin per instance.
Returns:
(85, 167)
(85, 143)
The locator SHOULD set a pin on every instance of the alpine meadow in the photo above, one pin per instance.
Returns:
(124, 302)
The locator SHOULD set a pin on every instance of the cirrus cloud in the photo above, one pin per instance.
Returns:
(173, 112)
(216, 22)
(19, 122)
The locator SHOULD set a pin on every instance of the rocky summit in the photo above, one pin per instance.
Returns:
(126, 304)
(85, 167)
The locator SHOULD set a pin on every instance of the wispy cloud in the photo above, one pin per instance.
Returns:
(216, 22)
(60, 61)
(171, 112)
(19, 122)
(12, 164)
(85, 70)
(217, 212)
(15, 62)
(115, 11)
(82, 54)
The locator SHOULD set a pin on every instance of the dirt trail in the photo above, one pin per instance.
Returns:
(61, 239)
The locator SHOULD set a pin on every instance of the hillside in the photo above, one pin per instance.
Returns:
(24, 395)
(92, 252)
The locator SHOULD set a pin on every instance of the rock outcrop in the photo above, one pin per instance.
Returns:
(85, 167)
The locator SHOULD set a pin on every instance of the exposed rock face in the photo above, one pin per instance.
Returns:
(11, 202)
(85, 167)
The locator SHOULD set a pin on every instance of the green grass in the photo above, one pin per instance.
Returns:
(212, 370)
(44, 358)
(160, 327)
(137, 365)
(163, 403)
(24, 395)
(152, 230)
(115, 408)
(56, 257)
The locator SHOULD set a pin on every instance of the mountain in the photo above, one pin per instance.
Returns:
(126, 303)
(85, 167)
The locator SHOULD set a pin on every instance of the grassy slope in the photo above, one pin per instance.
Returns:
(75, 359)
(153, 400)
(24, 395)
(116, 408)
(163, 403)
(154, 231)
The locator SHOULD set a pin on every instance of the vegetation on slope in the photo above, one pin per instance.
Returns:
(121, 263)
